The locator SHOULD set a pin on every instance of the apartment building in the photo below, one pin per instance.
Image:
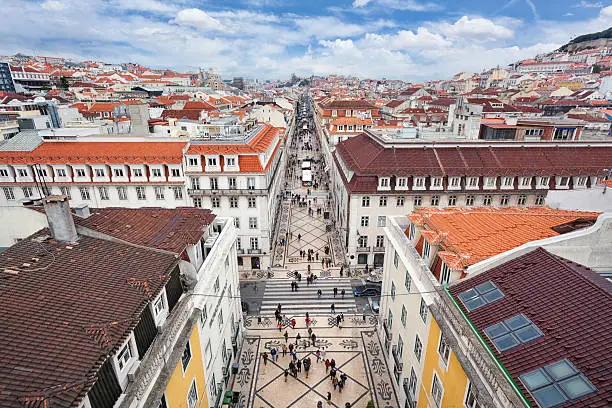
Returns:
(375, 176)
(118, 291)
(331, 110)
(438, 359)
(240, 177)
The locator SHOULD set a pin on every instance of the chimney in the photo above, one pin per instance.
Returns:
(82, 211)
(59, 218)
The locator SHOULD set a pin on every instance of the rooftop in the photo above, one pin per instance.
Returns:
(570, 306)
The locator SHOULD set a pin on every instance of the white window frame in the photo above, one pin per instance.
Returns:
(419, 183)
(444, 351)
(437, 402)
(472, 183)
(423, 310)
(454, 183)
(445, 274)
(524, 183)
(191, 394)
(122, 361)
(384, 183)
(543, 182)
(365, 201)
(159, 193)
(381, 221)
(401, 183)
(365, 221)
(489, 183)
(436, 183)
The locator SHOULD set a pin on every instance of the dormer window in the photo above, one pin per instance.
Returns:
(124, 356)
(402, 182)
(156, 173)
(137, 172)
(212, 161)
(544, 181)
(489, 182)
(348, 112)
(473, 182)
(383, 182)
(581, 181)
(340, 128)
(436, 182)
(334, 113)
(562, 181)
(508, 181)
(525, 181)
(80, 172)
(419, 182)
(231, 161)
(175, 172)
(99, 172)
(455, 181)
(193, 161)
(497, 105)
(60, 172)
(117, 172)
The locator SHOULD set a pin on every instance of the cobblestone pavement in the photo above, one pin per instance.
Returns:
(355, 347)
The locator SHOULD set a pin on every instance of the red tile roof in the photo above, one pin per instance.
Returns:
(181, 114)
(480, 233)
(63, 314)
(349, 104)
(199, 105)
(568, 302)
(98, 153)
(167, 229)
(258, 144)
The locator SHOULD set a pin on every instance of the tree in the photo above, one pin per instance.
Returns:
(64, 83)
(596, 69)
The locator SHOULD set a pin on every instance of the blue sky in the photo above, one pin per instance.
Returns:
(269, 39)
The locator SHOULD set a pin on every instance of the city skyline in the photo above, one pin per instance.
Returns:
(414, 40)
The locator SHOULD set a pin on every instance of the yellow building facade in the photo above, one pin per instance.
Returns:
(444, 382)
(187, 385)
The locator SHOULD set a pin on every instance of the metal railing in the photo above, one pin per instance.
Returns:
(379, 249)
(227, 191)
(363, 249)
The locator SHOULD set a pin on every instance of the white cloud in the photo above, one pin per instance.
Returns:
(145, 5)
(328, 27)
(406, 40)
(198, 19)
(409, 5)
(53, 5)
(360, 3)
(474, 29)
(589, 4)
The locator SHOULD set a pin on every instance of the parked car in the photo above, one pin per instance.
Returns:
(366, 291)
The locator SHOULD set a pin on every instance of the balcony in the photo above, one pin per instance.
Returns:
(240, 251)
(227, 192)
(387, 329)
(363, 249)
(254, 251)
(379, 249)
(397, 358)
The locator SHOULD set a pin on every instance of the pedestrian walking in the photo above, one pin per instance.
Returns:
(318, 354)
(265, 358)
(347, 405)
(284, 348)
(333, 308)
(313, 338)
(299, 237)
(327, 364)
(293, 322)
(323, 353)
(280, 326)
(297, 339)
(286, 374)
(273, 354)
(279, 308)
(335, 291)
(332, 363)
(342, 293)
(298, 364)
(332, 374)
(329, 398)
(306, 366)
(292, 286)
(319, 404)
(286, 335)
(319, 293)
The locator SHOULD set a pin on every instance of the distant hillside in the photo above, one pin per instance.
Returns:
(593, 40)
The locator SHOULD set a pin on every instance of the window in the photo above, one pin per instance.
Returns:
(103, 193)
(471, 398)
(563, 181)
(435, 200)
(230, 161)
(445, 274)
(452, 200)
(65, 190)
(412, 383)
(487, 200)
(252, 222)
(27, 192)
(175, 172)
(382, 221)
(390, 320)
(581, 182)
(522, 200)
(136, 172)
(197, 202)
(534, 132)
(513, 332)
(362, 242)
(444, 350)
(437, 390)
(141, 193)
(505, 199)
(4, 173)
(237, 224)
(252, 202)
(418, 348)
(508, 181)
(251, 183)
(563, 134)
(557, 383)
(380, 241)
(178, 193)
(214, 183)
(80, 172)
(382, 201)
(334, 113)
(365, 221)
(193, 161)
(419, 182)
(84, 193)
(480, 295)
(156, 173)
(404, 315)
(8, 193)
(195, 183)
(99, 172)
(469, 200)
(540, 199)
(122, 192)
(544, 181)
(400, 201)
(61, 172)
(212, 161)
(192, 395)
(159, 193)
(407, 281)
(489, 181)
(418, 200)
(254, 243)
(233, 202)
(159, 305)
(186, 357)
(473, 182)
(215, 202)
(525, 181)
(423, 311)
(232, 183)
(23, 173)
(365, 201)
(436, 182)
(402, 182)
(393, 291)
(340, 128)
(426, 250)
(124, 356)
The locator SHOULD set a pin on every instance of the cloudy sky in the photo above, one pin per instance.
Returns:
(270, 39)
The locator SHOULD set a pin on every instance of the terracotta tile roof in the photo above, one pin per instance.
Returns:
(366, 157)
(167, 229)
(191, 114)
(199, 105)
(480, 233)
(569, 303)
(394, 103)
(350, 121)
(258, 144)
(65, 313)
(99, 153)
(349, 104)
